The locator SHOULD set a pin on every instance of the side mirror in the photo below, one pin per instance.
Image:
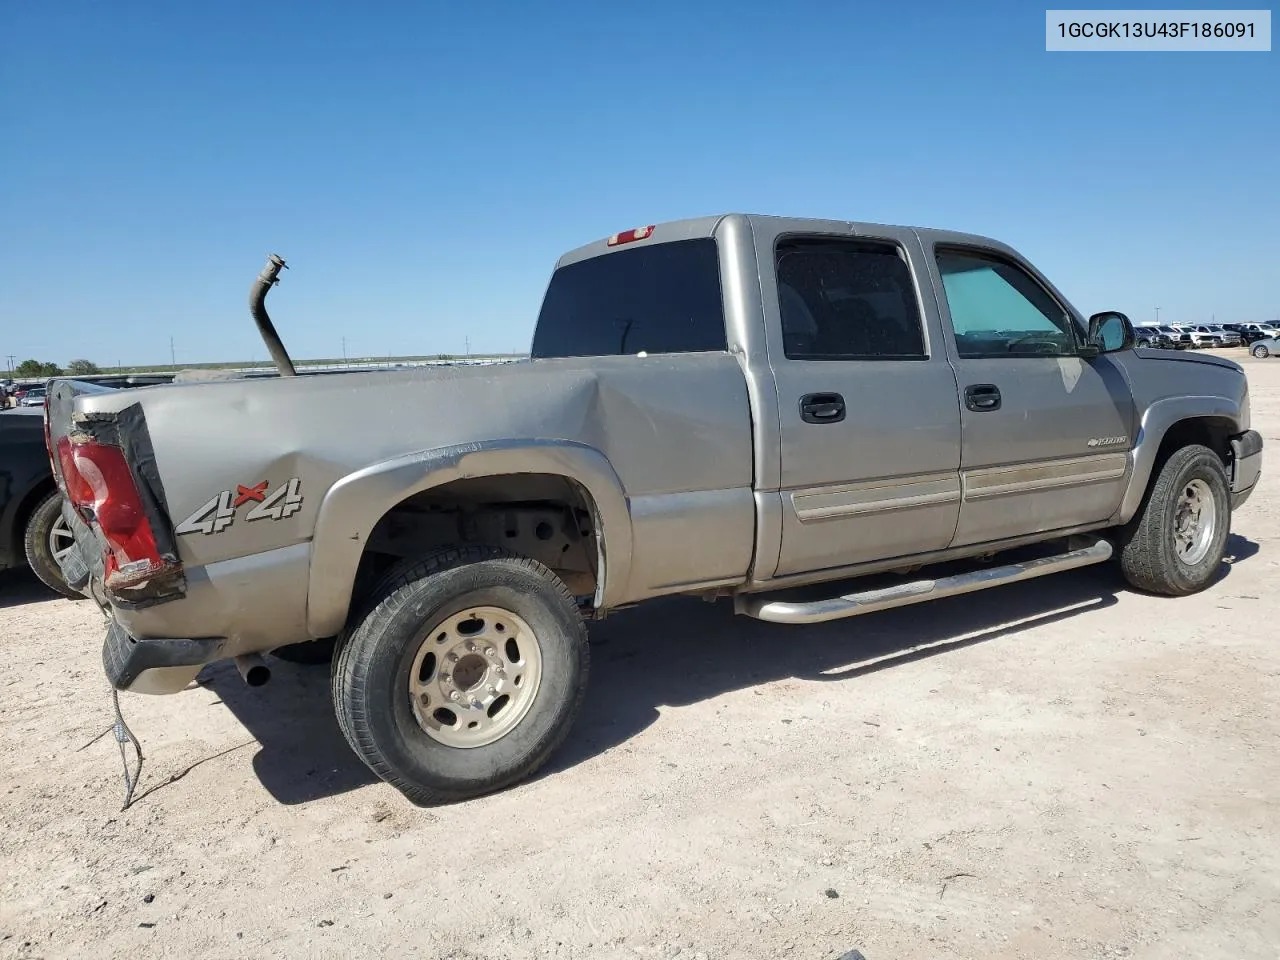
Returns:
(1108, 332)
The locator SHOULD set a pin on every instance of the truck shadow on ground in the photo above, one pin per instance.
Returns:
(673, 652)
(20, 587)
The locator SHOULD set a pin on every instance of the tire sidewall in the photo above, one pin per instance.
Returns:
(1207, 467)
(36, 544)
(412, 612)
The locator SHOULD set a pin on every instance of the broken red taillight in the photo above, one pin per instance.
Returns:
(630, 236)
(101, 487)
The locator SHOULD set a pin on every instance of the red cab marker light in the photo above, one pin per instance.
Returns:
(629, 236)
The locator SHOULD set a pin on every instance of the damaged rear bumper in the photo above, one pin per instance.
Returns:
(155, 665)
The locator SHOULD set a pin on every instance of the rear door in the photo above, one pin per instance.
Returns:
(869, 417)
(1046, 432)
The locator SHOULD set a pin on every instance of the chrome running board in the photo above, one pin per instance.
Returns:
(762, 607)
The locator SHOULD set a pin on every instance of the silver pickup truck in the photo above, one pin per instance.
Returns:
(734, 406)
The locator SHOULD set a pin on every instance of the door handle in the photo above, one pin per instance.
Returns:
(982, 397)
(822, 408)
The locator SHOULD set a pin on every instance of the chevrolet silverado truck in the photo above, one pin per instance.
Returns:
(734, 406)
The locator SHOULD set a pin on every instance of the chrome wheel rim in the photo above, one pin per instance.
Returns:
(475, 676)
(1195, 521)
(61, 540)
(1260, 352)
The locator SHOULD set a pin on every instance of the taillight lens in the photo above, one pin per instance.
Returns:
(79, 493)
(101, 487)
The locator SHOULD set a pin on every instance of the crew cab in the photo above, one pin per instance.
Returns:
(731, 406)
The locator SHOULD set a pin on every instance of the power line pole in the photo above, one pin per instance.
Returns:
(1157, 316)
(468, 346)
(173, 361)
(344, 351)
(10, 364)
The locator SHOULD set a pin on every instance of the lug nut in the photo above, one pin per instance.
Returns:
(453, 658)
(445, 678)
(470, 645)
(453, 695)
(492, 690)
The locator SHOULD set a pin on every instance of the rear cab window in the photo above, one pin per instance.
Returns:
(661, 298)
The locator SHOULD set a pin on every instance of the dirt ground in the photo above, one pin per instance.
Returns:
(1060, 768)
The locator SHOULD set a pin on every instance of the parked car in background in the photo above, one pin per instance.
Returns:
(1230, 338)
(1253, 332)
(1179, 339)
(1267, 347)
(33, 397)
(32, 530)
(1152, 337)
(1204, 338)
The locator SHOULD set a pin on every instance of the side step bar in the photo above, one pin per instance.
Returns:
(853, 604)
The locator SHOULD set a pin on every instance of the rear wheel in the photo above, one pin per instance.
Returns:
(47, 538)
(1175, 545)
(464, 676)
(1260, 351)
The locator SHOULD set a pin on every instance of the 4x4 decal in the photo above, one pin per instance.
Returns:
(219, 512)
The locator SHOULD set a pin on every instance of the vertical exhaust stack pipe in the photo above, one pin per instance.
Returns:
(267, 279)
(253, 669)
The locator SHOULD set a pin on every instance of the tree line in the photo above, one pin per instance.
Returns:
(29, 369)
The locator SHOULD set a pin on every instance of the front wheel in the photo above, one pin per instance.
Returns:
(1261, 352)
(464, 676)
(1175, 545)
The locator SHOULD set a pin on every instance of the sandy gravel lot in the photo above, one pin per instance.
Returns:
(1055, 769)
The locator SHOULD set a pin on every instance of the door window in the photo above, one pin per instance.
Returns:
(847, 300)
(998, 310)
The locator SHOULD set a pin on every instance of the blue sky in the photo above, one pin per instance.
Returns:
(422, 165)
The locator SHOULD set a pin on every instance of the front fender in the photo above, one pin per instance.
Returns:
(355, 504)
(1159, 417)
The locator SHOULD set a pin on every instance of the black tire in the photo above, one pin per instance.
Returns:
(371, 673)
(1261, 352)
(310, 653)
(47, 515)
(1147, 553)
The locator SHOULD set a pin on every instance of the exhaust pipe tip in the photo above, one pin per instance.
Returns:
(253, 669)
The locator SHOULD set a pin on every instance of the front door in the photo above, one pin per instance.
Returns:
(869, 415)
(1046, 432)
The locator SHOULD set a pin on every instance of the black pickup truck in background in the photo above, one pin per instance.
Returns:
(32, 530)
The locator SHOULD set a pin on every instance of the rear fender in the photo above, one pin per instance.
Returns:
(354, 505)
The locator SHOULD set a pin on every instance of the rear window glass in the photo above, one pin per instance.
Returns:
(663, 298)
